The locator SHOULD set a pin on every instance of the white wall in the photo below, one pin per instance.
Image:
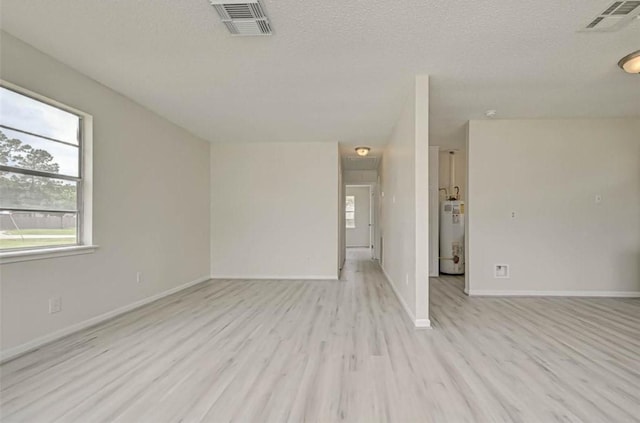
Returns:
(360, 177)
(421, 192)
(405, 215)
(342, 231)
(276, 213)
(460, 172)
(360, 235)
(434, 211)
(151, 208)
(549, 173)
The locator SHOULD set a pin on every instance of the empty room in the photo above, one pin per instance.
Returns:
(288, 211)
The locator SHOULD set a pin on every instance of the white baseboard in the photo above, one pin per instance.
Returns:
(418, 323)
(279, 277)
(610, 294)
(14, 352)
(422, 323)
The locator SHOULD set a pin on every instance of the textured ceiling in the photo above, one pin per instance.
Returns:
(340, 70)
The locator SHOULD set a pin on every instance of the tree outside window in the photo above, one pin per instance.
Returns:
(40, 173)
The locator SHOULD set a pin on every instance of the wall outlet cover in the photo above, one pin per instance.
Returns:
(55, 305)
(501, 271)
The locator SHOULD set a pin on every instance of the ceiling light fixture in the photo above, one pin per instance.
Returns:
(362, 151)
(631, 62)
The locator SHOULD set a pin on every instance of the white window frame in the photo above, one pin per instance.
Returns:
(353, 226)
(85, 189)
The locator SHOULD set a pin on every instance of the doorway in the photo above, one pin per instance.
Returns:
(358, 216)
(452, 183)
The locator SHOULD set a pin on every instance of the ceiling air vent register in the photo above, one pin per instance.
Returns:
(243, 17)
(614, 17)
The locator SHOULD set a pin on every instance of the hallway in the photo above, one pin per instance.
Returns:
(255, 350)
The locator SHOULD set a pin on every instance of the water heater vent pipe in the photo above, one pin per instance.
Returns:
(452, 171)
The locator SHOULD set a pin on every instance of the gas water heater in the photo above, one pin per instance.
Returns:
(452, 237)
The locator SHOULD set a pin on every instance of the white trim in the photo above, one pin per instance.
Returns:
(610, 294)
(45, 253)
(279, 277)
(42, 98)
(418, 323)
(423, 323)
(11, 353)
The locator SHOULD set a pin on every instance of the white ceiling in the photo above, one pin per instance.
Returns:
(340, 70)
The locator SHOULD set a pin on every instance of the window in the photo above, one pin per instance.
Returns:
(44, 194)
(350, 211)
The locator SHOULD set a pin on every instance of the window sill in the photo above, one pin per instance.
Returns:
(45, 253)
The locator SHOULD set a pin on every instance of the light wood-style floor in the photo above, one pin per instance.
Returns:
(257, 351)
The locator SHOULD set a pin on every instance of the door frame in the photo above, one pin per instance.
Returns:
(372, 220)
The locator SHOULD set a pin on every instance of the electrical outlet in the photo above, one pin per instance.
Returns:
(501, 271)
(55, 305)
(139, 277)
(513, 214)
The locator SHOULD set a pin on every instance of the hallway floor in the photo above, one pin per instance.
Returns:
(250, 351)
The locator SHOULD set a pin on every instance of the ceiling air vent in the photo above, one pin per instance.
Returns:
(243, 17)
(614, 17)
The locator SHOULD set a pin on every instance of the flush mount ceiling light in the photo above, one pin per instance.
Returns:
(631, 62)
(362, 151)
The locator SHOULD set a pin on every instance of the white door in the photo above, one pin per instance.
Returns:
(358, 216)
